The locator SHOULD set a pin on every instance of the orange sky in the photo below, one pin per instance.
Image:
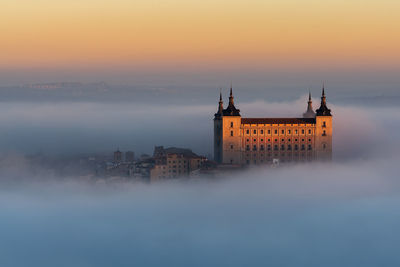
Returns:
(48, 33)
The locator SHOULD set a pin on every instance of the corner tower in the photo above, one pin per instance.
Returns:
(323, 130)
(227, 137)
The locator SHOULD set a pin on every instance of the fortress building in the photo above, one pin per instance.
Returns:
(242, 141)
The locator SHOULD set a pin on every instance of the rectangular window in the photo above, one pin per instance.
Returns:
(247, 147)
(309, 131)
(254, 148)
(276, 131)
(283, 131)
(302, 131)
(269, 131)
(282, 147)
(231, 146)
(262, 131)
(247, 131)
(296, 147)
(231, 124)
(231, 133)
(303, 147)
(295, 131)
(324, 124)
(289, 147)
(309, 147)
(255, 131)
(288, 131)
(269, 147)
(262, 147)
(276, 147)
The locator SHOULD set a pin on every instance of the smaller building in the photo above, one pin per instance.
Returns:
(129, 156)
(174, 162)
(117, 156)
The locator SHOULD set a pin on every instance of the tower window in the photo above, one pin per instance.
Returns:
(324, 124)
(324, 146)
(324, 133)
(231, 133)
(231, 146)
(231, 124)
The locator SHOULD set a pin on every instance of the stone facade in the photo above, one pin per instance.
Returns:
(242, 141)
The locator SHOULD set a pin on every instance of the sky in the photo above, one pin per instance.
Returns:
(126, 41)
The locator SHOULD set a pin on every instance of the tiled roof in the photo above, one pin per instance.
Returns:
(278, 120)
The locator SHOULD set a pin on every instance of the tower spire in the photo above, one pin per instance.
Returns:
(231, 97)
(310, 112)
(220, 104)
(323, 109)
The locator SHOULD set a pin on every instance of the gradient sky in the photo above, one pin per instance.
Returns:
(208, 33)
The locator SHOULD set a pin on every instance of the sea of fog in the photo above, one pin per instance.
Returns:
(344, 213)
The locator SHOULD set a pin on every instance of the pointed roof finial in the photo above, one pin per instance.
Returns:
(220, 94)
(231, 90)
(309, 95)
(323, 89)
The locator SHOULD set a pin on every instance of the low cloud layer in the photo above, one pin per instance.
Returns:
(341, 214)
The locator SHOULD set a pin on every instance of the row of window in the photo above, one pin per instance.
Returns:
(281, 147)
(276, 140)
(282, 131)
(281, 155)
(323, 124)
